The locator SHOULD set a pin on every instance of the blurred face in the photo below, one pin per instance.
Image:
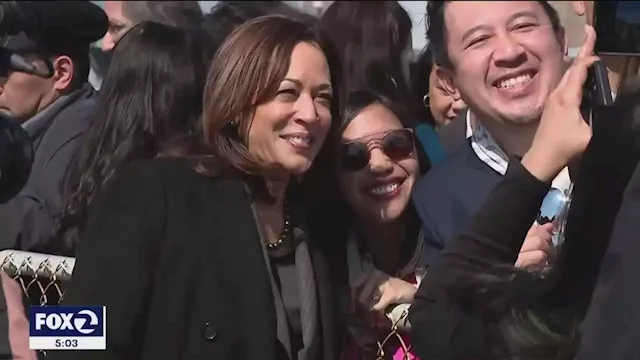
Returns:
(506, 57)
(378, 165)
(443, 106)
(119, 24)
(24, 95)
(288, 131)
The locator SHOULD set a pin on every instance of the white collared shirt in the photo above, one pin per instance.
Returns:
(489, 152)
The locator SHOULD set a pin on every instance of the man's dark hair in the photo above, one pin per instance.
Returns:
(436, 29)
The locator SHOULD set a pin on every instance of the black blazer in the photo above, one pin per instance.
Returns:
(176, 258)
(449, 194)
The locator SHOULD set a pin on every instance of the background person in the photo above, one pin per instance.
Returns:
(504, 71)
(152, 95)
(54, 111)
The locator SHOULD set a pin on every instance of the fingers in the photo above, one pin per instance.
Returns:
(532, 259)
(576, 77)
(541, 241)
(572, 83)
(537, 247)
(535, 228)
(385, 300)
(588, 44)
(370, 290)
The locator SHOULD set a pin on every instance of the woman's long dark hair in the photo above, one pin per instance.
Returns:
(538, 317)
(368, 39)
(151, 94)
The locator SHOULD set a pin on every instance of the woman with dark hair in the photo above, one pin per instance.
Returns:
(152, 94)
(372, 43)
(226, 16)
(364, 178)
(208, 258)
(439, 106)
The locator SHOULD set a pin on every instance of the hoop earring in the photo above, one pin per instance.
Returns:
(425, 101)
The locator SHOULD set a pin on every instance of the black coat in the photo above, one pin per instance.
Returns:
(176, 258)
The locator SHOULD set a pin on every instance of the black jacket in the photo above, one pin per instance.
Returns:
(27, 221)
(177, 259)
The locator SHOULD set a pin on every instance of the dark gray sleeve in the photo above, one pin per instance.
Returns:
(39, 204)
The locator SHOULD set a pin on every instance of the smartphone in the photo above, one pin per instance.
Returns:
(597, 92)
(617, 24)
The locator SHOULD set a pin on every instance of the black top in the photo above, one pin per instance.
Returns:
(441, 330)
(177, 259)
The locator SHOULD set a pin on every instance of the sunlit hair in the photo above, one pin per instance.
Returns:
(246, 72)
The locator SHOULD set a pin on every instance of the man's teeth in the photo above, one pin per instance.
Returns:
(522, 79)
(297, 140)
(385, 189)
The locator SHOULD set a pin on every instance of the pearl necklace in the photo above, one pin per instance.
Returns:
(285, 230)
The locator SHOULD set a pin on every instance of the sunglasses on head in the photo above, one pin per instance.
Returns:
(395, 144)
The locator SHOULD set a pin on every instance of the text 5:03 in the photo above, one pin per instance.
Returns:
(68, 343)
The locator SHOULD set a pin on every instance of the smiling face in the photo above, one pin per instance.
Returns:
(379, 191)
(288, 131)
(506, 56)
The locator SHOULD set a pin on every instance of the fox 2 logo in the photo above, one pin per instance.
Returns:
(78, 321)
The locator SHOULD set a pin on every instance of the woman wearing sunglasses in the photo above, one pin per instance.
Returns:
(376, 163)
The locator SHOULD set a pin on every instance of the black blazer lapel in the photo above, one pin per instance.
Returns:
(243, 269)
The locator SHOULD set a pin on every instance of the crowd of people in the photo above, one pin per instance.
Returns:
(258, 183)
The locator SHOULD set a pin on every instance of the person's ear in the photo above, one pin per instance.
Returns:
(63, 71)
(579, 7)
(446, 81)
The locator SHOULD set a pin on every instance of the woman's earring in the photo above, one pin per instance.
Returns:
(425, 101)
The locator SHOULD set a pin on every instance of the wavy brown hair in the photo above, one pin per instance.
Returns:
(246, 72)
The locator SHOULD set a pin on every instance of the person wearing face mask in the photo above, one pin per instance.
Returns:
(208, 256)
(504, 58)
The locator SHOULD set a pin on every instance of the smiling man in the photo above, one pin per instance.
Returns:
(504, 58)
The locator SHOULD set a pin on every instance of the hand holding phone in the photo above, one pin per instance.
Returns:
(563, 133)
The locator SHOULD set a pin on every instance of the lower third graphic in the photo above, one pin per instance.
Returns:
(68, 327)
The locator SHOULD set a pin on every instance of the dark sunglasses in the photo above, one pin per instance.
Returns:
(395, 144)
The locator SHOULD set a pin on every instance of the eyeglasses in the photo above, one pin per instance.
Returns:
(395, 144)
